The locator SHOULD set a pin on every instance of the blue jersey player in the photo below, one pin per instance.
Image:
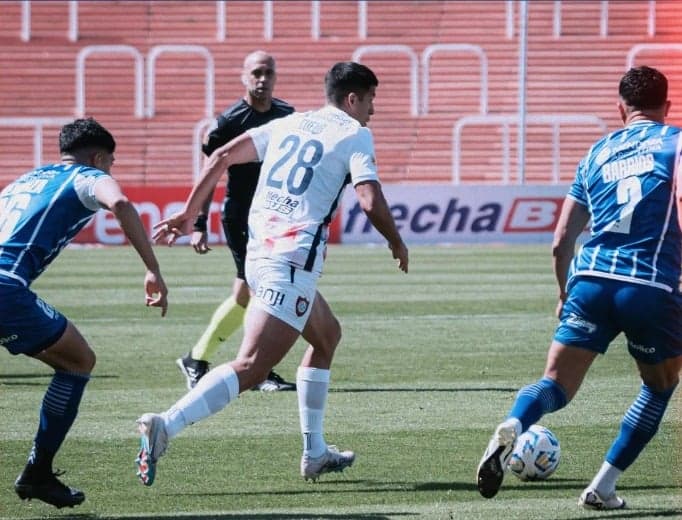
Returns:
(40, 213)
(624, 278)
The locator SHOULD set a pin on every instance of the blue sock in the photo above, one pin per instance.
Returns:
(57, 414)
(638, 426)
(534, 401)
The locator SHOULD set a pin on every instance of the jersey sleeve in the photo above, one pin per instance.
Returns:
(260, 136)
(84, 186)
(362, 162)
(222, 132)
(577, 189)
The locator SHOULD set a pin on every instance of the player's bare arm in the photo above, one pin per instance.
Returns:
(572, 221)
(199, 238)
(109, 195)
(373, 203)
(239, 150)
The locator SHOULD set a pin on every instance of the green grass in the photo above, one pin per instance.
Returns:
(429, 364)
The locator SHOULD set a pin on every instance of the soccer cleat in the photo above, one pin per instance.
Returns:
(275, 383)
(153, 444)
(494, 462)
(331, 460)
(591, 499)
(49, 489)
(192, 369)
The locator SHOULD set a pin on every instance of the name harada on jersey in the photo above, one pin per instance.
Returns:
(636, 165)
(280, 203)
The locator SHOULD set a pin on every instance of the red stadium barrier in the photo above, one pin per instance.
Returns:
(155, 203)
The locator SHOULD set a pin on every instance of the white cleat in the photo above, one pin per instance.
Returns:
(494, 462)
(330, 460)
(591, 499)
(153, 444)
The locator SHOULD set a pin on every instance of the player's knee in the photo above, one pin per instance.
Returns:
(87, 361)
(332, 336)
(242, 299)
(251, 370)
(337, 333)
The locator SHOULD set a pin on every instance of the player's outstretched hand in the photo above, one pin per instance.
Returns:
(156, 292)
(172, 228)
(400, 254)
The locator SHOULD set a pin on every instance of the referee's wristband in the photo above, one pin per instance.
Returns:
(200, 223)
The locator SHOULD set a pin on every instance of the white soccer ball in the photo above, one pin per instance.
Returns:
(536, 454)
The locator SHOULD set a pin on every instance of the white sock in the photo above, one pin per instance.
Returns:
(515, 423)
(312, 387)
(212, 393)
(605, 480)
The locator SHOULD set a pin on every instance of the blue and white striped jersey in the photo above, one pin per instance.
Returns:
(627, 182)
(40, 213)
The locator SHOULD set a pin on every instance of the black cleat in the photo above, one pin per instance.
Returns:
(275, 383)
(493, 465)
(192, 369)
(49, 489)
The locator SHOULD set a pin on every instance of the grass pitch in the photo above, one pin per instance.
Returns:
(429, 364)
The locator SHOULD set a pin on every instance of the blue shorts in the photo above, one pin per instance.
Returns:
(28, 325)
(598, 309)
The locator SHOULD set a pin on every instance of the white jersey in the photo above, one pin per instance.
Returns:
(308, 158)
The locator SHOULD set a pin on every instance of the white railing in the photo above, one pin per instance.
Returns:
(209, 72)
(462, 48)
(221, 28)
(649, 47)
(506, 121)
(396, 49)
(26, 20)
(268, 19)
(603, 18)
(153, 55)
(315, 19)
(38, 123)
(422, 108)
(83, 55)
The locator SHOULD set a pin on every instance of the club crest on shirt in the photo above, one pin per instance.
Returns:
(301, 306)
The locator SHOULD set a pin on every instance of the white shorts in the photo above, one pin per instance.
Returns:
(284, 291)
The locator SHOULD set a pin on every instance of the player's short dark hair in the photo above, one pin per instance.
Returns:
(346, 77)
(85, 133)
(644, 88)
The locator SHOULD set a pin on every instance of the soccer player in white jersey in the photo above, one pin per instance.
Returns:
(625, 278)
(40, 213)
(308, 158)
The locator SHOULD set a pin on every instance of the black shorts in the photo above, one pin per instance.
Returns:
(235, 222)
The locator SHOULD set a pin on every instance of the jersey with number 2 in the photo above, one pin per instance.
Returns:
(627, 182)
(308, 158)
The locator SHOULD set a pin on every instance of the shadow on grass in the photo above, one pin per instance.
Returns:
(349, 390)
(640, 512)
(245, 516)
(43, 378)
(372, 486)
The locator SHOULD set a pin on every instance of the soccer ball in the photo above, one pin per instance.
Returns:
(536, 454)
